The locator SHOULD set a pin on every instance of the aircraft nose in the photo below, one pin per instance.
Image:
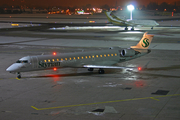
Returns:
(13, 68)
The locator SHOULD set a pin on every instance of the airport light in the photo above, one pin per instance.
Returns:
(130, 8)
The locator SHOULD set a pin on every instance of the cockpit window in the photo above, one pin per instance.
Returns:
(18, 61)
(25, 61)
(22, 61)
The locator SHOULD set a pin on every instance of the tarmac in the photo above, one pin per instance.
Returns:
(75, 93)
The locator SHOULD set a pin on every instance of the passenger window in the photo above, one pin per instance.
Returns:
(65, 58)
(77, 57)
(49, 60)
(61, 59)
(104, 55)
(111, 54)
(97, 56)
(89, 56)
(57, 59)
(93, 56)
(74, 58)
(100, 55)
(108, 55)
(69, 58)
(45, 60)
(53, 60)
(115, 54)
(86, 57)
(82, 57)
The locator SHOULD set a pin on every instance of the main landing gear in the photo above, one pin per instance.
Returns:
(132, 29)
(126, 28)
(100, 71)
(18, 75)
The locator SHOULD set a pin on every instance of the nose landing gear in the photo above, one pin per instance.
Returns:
(18, 75)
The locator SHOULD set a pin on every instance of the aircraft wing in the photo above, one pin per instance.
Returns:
(111, 67)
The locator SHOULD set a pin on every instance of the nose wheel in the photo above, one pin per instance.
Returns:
(18, 75)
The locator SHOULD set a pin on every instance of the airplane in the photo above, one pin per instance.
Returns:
(123, 22)
(100, 59)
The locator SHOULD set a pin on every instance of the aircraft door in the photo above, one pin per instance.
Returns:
(93, 57)
(34, 62)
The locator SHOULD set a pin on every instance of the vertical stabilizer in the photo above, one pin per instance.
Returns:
(108, 15)
(144, 42)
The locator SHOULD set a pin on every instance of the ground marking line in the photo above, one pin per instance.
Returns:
(18, 79)
(154, 98)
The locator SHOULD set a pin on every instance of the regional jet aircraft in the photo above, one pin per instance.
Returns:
(133, 23)
(92, 59)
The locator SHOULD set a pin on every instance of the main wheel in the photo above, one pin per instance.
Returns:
(101, 71)
(126, 29)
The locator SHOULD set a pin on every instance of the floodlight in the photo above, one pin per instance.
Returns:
(130, 8)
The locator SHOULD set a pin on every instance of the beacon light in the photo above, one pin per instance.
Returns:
(54, 69)
(54, 53)
(139, 68)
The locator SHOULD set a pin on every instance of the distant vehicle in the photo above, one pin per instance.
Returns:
(133, 23)
(93, 59)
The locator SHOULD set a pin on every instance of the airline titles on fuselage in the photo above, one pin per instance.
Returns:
(49, 64)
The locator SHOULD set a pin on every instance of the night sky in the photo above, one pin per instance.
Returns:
(95, 3)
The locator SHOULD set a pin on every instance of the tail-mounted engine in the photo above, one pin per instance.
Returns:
(128, 52)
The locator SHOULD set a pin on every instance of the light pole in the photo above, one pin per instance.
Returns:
(130, 8)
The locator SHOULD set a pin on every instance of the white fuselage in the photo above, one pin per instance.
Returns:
(123, 22)
(145, 23)
(101, 57)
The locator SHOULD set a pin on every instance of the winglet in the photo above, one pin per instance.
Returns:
(144, 42)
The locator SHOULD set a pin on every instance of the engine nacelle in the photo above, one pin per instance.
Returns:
(128, 52)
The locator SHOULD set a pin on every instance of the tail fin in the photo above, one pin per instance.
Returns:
(108, 15)
(111, 17)
(144, 42)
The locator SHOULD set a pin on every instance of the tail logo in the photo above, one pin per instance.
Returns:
(145, 42)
